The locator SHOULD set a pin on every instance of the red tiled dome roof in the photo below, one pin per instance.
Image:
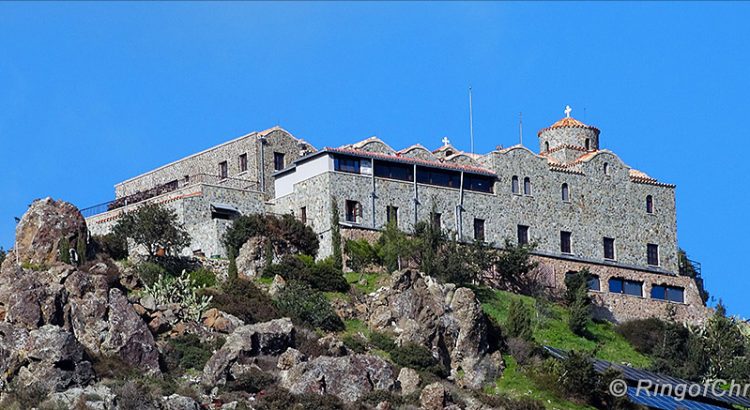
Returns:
(568, 122)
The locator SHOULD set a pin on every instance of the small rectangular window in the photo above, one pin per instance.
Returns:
(479, 229)
(652, 254)
(435, 218)
(523, 235)
(609, 248)
(670, 293)
(303, 214)
(278, 161)
(243, 162)
(565, 242)
(353, 212)
(223, 170)
(626, 287)
(346, 164)
(593, 283)
(391, 214)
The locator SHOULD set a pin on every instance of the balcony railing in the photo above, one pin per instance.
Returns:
(140, 196)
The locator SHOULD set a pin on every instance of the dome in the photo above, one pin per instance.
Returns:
(568, 122)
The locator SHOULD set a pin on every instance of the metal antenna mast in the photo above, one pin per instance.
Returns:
(471, 122)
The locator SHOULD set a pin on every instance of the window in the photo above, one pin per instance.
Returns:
(652, 254)
(670, 293)
(435, 218)
(587, 143)
(478, 183)
(303, 214)
(626, 287)
(346, 164)
(186, 178)
(438, 177)
(401, 172)
(609, 248)
(391, 214)
(479, 229)
(223, 170)
(243, 162)
(514, 185)
(171, 185)
(353, 212)
(565, 193)
(593, 282)
(649, 204)
(278, 161)
(565, 242)
(527, 186)
(546, 146)
(523, 235)
(606, 168)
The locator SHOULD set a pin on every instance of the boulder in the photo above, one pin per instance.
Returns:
(332, 345)
(441, 317)
(177, 402)
(44, 226)
(13, 342)
(252, 257)
(409, 380)
(268, 338)
(290, 358)
(32, 299)
(432, 397)
(86, 311)
(97, 397)
(128, 337)
(277, 285)
(221, 322)
(348, 377)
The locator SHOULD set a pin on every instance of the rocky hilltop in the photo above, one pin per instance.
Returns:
(79, 335)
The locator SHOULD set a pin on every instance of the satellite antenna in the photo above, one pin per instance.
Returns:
(471, 122)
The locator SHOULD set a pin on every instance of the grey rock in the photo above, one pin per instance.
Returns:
(432, 397)
(177, 402)
(128, 336)
(44, 225)
(290, 358)
(409, 380)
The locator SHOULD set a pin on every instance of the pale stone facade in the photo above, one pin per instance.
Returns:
(582, 206)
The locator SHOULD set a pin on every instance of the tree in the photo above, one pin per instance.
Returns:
(338, 260)
(280, 232)
(154, 227)
(393, 247)
(513, 265)
(577, 297)
(519, 320)
(726, 347)
(360, 254)
(2, 255)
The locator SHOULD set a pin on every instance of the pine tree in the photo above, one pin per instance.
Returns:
(338, 261)
(519, 320)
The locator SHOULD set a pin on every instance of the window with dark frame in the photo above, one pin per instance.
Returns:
(652, 254)
(391, 214)
(223, 170)
(353, 212)
(593, 282)
(479, 229)
(565, 193)
(346, 164)
(436, 219)
(626, 287)
(243, 162)
(303, 214)
(670, 293)
(523, 235)
(402, 172)
(609, 248)
(278, 161)
(527, 186)
(565, 245)
(649, 204)
(514, 187)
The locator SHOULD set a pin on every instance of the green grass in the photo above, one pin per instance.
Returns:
(264, 281)
(551, 328)
(515, 383)
(371, 279)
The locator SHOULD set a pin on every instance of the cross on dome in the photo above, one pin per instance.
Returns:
(446, 141)
(567, 111)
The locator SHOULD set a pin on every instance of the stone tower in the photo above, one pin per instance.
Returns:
(567, 139)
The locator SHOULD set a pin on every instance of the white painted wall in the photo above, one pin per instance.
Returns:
(284, 185)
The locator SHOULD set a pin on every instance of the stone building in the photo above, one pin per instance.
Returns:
(581, 205)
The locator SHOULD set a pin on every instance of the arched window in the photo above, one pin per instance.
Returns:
(588, 144)
(565, 193)
(526, 186)
(546, 146)
(606, 168)
(650, 204)
(514, 184)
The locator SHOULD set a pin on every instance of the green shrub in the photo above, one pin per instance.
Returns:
(188, 352)
(241, 298)
(373, 398)
(323, 275)
(252, 381)
(155, 227)
(510, 403)
(203, 278)
(279, 230)
(355, 343)
(643, 334)
(360, 254)
(519, 320)
(277, 399)
(382, 341)
(113, 245)
(290, 267)
(149, 272)
(308, 306)
(578, 378)
(416, 357)
(64, 248)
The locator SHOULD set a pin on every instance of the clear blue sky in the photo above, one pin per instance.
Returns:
(94, 93)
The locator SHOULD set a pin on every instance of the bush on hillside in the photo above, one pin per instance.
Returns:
(203, 278)
(252, 381)
(154, 227)
(643, 334)
(241, 298)
(308, 306)
(149, 272)
(417, 357)
(279, 230)
(322, 275)
(188, 352)
(360, 254)
(113, 245)
(519, 320)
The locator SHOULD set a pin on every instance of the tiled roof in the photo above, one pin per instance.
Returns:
(568, 122)
(409, 160)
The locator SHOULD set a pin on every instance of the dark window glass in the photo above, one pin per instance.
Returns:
(353, 211)
(609, 248)
(627, 287)
(587, 143)
(523, 235)
(401, 172)
(171, 185)
(438, 177)
(243, 162)
(514, 185)
(303, 214)
(392, 214)
(278, 161)
(565, 193)
(526, 186)
(652, 254)
(670, 293)
(650, 204)
(479, 229)
(615, 285)
(593, 283)
(436, 217)
(546, 145)
(346, 164)
(478, 183)
(565, 242)
(223, 170)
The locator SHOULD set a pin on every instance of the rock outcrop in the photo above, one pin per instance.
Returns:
(448, 320)
(43, 227)
(347, 377)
